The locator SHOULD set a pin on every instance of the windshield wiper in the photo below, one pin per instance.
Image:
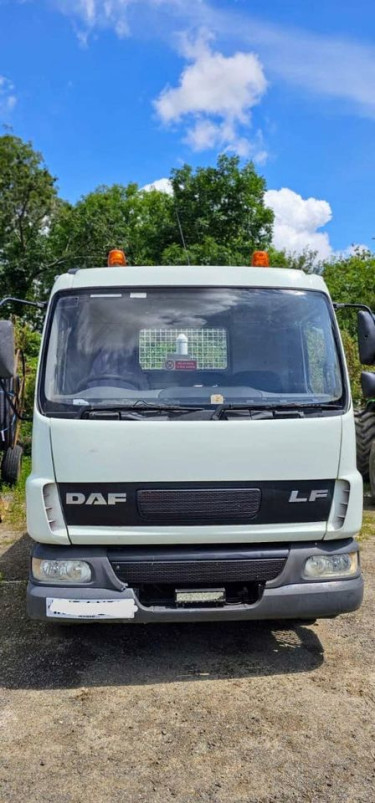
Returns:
(292, 410)
(133, 411)
(141, 409)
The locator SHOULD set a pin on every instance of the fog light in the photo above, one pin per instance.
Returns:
(61, 571)
(331, 566)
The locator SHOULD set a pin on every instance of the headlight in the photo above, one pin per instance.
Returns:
(331, 566)
(59, 572)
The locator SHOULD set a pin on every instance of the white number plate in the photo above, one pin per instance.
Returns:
(90, 608)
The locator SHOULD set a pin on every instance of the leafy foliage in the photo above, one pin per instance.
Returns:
(28, 205)
(114, 217)
(352, 280)
(219, 211)
(222, 211)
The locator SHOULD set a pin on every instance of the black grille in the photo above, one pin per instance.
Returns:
(198, 571)
(211, 505)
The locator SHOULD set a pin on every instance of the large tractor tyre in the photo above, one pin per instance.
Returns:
(365, 435)
(11, 465)
(372, 471)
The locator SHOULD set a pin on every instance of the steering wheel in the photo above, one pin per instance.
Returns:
(88, 383)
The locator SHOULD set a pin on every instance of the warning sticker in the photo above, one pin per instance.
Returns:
(185, 365)
(180, 365)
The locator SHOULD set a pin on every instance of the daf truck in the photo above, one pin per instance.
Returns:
(193, 451)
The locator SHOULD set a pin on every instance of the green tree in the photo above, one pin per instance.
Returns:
(222, 208)
(28, 204)
(306, 260)
(218, 210)
(351, 280)
(141, 223)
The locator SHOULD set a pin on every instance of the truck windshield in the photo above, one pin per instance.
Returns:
(190, 346)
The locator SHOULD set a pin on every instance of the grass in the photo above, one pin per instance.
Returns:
(12, 500)
(368, 526)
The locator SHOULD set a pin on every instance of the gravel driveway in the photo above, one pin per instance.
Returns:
(189, 713)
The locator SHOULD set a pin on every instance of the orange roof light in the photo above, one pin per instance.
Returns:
(260, 259)
(116, 258)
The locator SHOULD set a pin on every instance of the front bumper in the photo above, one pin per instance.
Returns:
(288, 596)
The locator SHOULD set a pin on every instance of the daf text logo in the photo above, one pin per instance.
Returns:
(313, 496)
(95, 499)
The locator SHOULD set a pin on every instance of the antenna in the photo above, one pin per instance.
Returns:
(182, 235)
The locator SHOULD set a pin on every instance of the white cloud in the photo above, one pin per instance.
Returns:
(214, 98)
(297, 221)
(92, 15)
(214, 84)
(8, 98)
(161, 185)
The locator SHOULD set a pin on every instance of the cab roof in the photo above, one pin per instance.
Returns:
(188, 276)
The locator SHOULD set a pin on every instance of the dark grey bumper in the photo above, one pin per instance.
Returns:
(303, 601)
(289, 596)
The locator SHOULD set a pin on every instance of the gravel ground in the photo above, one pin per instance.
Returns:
(189, 713)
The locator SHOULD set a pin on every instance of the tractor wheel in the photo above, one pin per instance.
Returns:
(11, 465)
(365, 434)
(372, 471)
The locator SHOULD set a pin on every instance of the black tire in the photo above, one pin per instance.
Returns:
(365, 435)
(11, 465)
(372, 470)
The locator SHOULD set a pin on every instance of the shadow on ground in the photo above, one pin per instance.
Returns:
(34, 655)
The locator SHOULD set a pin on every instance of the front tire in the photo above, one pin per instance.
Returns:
(11, 465)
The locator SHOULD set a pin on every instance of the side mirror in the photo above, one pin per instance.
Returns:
(366, 337)
(368, 384)
(6, 349)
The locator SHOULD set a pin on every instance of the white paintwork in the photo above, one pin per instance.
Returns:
(348, 471)
(173, 451)
(66, 450)
(189, 276)
(235, 534)
(43, 473)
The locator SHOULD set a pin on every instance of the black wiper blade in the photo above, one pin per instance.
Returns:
(260, 411)
(132, 411)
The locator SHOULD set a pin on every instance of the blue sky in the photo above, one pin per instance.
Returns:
(123, 90)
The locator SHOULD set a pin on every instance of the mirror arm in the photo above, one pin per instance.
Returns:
(338, 306)
(39, 304)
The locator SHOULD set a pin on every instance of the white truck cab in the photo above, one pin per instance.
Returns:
(193, 449)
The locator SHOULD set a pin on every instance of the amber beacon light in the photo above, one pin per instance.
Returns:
(260, 259)
(116, 258)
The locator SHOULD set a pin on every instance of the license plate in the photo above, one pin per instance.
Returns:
(59, 608)
(200, 596)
